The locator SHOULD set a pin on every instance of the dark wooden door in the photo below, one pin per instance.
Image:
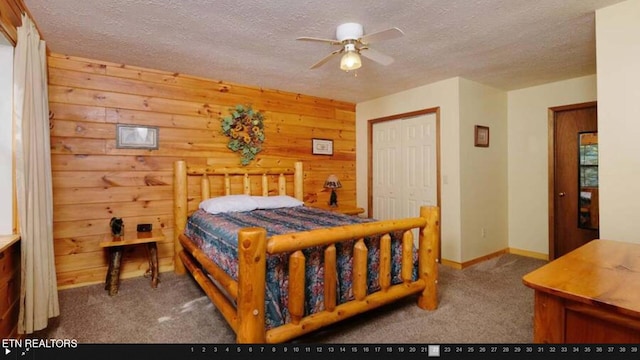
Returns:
(568, 124)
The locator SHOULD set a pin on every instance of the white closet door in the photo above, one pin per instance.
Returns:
(386, 154)
(404, 166)
(419, 170)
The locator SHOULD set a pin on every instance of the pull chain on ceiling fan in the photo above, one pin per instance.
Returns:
(353, 42)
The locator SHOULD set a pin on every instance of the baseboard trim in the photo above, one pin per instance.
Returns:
(451, 264)
(531, 254)
(460, 266)
(129, 275)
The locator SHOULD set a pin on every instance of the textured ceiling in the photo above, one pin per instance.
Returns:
(508, 44)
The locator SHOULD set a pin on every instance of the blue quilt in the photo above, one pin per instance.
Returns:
(217, 236)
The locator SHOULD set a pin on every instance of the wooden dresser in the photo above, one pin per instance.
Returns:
(589, 295)
(9, 285)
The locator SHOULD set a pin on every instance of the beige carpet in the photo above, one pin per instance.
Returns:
(484, 303)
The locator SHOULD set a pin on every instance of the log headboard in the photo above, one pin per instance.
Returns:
(182, 171)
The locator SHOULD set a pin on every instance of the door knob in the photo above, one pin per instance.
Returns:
(562, 194)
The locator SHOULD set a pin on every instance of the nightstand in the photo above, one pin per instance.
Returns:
(116, 246)
(343, 209)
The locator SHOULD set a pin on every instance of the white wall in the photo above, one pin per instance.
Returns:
(502, 189)
(618, 96)
(6, 153)
(618, 69)
(483, 171)
(528, 157)
(474, 180)
(443, 94)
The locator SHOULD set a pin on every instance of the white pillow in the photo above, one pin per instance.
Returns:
(275, 202)
(229, 203)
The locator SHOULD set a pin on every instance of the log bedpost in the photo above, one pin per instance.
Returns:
(252, 253)
(330, 278)
(359, 281)
(407, 256)
(227, 184)
(204, 187)
(298, 178)
(428, 257)
(385, 262)
(265, 185)
(282, 185)
(179, 211)
(246, 184)
(296, 286)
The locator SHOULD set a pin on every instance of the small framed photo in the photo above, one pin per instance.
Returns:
(322, 147)
(136, 137)
(481, 137)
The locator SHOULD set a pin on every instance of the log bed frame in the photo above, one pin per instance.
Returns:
(242, 302)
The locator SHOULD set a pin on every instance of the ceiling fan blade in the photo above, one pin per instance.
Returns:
(376, 56)
(330, 41)
(388, 34)
(325, 59)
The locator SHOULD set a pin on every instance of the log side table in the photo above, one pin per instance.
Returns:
(116, 246)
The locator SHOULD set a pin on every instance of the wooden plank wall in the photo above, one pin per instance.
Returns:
(94, 181)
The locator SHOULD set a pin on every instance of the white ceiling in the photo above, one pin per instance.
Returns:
(508, 44)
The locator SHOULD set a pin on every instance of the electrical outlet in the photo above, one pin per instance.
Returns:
(483, 233)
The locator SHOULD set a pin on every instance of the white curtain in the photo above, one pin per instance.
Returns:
(38, 293)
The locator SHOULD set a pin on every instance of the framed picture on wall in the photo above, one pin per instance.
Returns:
(136, 137)
(481, 137)
(322, 147)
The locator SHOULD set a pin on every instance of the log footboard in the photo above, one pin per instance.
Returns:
(247, 316)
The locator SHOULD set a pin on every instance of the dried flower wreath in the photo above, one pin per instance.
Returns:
(245, 129)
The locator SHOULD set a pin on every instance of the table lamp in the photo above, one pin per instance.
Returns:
(332, 183)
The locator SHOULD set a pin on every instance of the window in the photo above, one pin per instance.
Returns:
(6, 137)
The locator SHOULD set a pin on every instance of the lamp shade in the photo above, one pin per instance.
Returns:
(332, 182)
(350, 61)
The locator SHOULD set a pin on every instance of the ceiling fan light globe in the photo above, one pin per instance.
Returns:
(350, 61)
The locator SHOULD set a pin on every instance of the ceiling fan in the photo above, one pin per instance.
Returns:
(353, 42)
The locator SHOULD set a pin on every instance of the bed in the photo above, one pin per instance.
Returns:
(278, 272)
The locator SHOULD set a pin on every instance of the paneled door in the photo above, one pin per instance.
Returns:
(574, 214)
(387, 192)
(404, 161)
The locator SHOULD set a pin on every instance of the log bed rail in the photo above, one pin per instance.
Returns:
(242, 302)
